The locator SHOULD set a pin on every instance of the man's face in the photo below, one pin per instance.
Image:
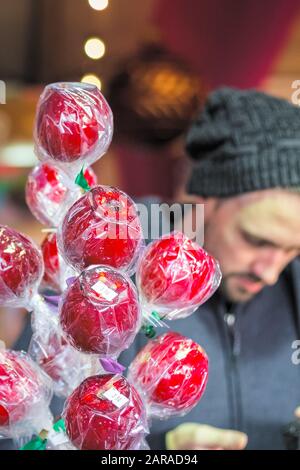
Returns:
(254, 237)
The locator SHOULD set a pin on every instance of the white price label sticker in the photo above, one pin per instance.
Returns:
(104, 291)
(115, 397)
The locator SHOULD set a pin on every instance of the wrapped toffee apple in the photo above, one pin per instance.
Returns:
(74, 125)
(57, 272)
(21, 272)
(171, 373)
(49, 192)
(21, 268)
(175, 276)
(105, 412)
(102, 227)
(100, 313)
(66, 366)
(25, 394)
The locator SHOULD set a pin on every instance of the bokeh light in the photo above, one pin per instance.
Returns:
(98, 4)
(92, 79)
(94, 48)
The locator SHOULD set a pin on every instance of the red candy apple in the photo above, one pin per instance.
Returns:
(65, 365)
(21, 268)
(171, 371)
(73, 122)
(105, 412)
(52, 262)
(47, 194)
(56, 269)
(48, 354)
(21, 388)
(102, 227)
(100, 312)
(176, 275)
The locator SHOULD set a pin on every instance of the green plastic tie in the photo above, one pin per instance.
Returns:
(149, 331)
(155, 315)
(81, 181)
(36, 443)
(59, 426)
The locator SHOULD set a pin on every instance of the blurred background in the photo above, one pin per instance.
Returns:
(154, 60)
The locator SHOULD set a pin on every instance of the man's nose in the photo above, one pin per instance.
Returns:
(269, 265)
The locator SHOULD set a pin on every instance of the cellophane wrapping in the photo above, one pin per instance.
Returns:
(25, 395)
(175, 276)
(21, 268)
(171, 373)
(102, 227)
(73, 126)
(100, 312)
(49, 192)
(106, 413)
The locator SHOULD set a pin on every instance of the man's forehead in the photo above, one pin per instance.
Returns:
(278, 194)
(270, 214)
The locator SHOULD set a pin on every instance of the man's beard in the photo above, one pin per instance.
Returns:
(238, 294)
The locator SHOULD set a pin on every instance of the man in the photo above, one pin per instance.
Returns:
(246, 151)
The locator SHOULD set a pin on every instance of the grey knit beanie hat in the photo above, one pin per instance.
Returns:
(244, 141)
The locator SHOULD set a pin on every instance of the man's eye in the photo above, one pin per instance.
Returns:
(254, 241)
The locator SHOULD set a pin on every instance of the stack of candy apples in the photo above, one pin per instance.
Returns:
(86, 310)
